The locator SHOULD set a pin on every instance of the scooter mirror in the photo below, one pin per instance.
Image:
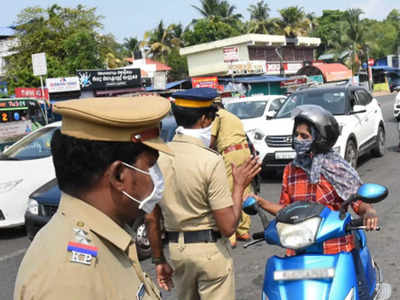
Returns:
(372, 192)
(248, 206)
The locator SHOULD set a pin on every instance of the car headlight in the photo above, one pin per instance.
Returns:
(258, 136)
(300, 235)
(9, 185)
(33, 207)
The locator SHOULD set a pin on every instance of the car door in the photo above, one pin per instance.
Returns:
(369, 117)
(357, 117)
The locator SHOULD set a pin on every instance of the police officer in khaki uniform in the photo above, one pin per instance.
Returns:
(198, 210)
(229, 139)
(105, 160)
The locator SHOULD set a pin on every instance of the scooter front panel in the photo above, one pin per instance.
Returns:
(329, 288)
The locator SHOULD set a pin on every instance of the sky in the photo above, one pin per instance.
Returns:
(132, 18)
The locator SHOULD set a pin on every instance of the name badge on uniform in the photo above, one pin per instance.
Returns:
(82, 253)
(141, 292)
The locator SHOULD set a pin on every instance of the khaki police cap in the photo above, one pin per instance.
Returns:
(119, 119)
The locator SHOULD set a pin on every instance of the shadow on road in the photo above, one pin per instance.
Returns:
(12, 233)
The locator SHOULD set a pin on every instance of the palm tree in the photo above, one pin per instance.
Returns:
(216, 10)
(355, 33)
(158, 43)
(259, 12)
(259, 18)
(294, 22)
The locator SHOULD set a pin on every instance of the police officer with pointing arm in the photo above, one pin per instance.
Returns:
(198, 210)
(105, 158)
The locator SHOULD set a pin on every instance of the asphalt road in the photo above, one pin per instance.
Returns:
(250, 262)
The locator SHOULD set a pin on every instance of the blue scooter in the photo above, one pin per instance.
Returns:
(311, 274)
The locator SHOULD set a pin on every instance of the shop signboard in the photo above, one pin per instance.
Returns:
(231, 54)
(36, 93)
(202, 82)
(109, 79)
(290, 68)
(63, 84)
(247, 67)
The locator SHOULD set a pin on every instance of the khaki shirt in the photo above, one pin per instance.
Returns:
(50, 271)
(228, 130)
(195, 185)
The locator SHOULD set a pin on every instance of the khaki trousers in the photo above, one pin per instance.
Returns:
(203, 271)
(238, 157)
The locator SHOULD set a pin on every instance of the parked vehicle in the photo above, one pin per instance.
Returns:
(362, 127)
(311, 274)
(25, 166)
(254, 110)
(43, 204)
(396, 106)
(19, 117)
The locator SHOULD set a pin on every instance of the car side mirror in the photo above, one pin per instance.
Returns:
(270, 114)
(372, 192)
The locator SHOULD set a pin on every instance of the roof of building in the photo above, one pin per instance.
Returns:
(330, 72)
(7, 31)
(252, 39)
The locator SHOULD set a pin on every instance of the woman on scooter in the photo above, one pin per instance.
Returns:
(319, 174)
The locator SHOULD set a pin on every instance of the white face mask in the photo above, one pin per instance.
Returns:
(204, 134)
(148, 203)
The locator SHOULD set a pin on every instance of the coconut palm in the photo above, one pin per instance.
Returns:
(218, 10)
(259, 18)
(294, 22)
(355, 33)
(158, 43)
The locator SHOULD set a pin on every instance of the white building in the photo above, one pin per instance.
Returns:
(250, 54)
(7, 42)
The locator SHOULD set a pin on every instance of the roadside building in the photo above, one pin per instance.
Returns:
(250, 54)
(8, 40)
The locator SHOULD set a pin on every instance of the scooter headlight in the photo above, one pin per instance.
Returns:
(300, 235)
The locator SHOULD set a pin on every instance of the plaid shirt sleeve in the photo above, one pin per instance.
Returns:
(285, 197)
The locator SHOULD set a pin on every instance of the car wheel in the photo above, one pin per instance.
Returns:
(141, 239)
(379, 149)
(351, 154)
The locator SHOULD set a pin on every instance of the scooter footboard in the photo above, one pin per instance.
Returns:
(310, 276)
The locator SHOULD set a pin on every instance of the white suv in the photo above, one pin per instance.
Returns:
(253, 111)
(359, 115)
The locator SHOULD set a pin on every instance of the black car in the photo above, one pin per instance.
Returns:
(43, 203)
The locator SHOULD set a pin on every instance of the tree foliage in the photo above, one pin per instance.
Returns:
(68, 36)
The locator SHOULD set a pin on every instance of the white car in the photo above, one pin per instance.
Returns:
(396, 107)
(359, 115)
(25, 166)
(254, 111)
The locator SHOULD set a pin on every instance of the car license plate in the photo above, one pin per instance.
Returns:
(304, 274)
(285, 155)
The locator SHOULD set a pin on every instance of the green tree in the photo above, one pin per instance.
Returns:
(205, 31)
(68, 36)
(259, 19)
(294, 22)
(158, 43)
(355, 33)
(130, 46)
(178, 65)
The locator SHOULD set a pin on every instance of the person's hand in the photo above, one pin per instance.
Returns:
(370, 219)
(164, 276)
(244, 174)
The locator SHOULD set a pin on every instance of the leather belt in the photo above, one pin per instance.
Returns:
(201, 236)
(235, 147)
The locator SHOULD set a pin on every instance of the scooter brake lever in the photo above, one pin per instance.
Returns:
(252, 243)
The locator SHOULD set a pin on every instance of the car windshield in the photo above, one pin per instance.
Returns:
(36, 145)
(331, 100)
(247, 110)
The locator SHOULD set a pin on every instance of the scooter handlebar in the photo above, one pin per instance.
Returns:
(359, 224)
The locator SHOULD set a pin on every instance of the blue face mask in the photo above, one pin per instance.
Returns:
(302, 147)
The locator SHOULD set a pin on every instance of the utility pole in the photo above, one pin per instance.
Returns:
(369, 70)
(282, 69)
